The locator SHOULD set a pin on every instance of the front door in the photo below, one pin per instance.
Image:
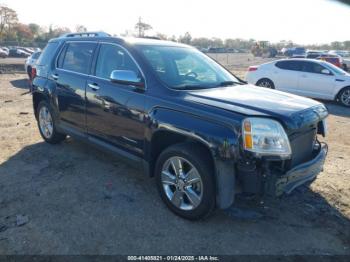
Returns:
(314, 83)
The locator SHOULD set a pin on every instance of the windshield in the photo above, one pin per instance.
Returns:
(334, 68)
(186, 68)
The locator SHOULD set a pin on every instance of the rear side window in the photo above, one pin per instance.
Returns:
(289, 65)
(77, 57)
(48, 53)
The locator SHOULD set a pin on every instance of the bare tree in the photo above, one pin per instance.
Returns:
(80, 29)
(142, 27)
(8, 18)
(186, 39)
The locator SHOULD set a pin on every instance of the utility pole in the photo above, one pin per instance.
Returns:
(140, 26)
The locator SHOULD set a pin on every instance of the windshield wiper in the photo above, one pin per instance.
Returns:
(191, 87)
(229, 83)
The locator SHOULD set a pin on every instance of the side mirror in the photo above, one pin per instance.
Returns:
(126, 77)
(326, 72)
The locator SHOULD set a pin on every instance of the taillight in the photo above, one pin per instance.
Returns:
(33, 73)
(252, 68)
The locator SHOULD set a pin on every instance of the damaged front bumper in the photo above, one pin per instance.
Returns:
(277, 184)
(270, 180)
(302, 173)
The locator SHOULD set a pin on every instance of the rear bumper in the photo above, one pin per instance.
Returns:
(300, 174)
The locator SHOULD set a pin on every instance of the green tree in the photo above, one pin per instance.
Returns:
(35, 29)
(8, 18)
(23, 32)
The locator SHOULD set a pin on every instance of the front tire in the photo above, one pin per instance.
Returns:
(185, 181)
(344, 97)
(47, 124)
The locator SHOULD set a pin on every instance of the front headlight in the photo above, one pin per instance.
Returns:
(265, 137)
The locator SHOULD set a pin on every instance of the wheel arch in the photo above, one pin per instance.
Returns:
(172, 127)
(37, 98)
(164, 138)
(264, 78)
(336, 97)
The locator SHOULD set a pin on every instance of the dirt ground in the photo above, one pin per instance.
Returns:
(73, 199)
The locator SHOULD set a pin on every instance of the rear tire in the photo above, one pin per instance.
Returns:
(344, 97)
(47, 124)
(189, 194)
(265, 82)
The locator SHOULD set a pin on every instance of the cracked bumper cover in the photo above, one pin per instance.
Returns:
(302, 173)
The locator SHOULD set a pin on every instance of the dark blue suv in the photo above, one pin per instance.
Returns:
(203, 133)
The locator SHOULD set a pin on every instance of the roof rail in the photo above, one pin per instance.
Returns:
(86, 34)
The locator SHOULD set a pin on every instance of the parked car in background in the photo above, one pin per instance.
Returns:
(18, 52)
(217, 50)
(342, 53)
(306, 77)
(204, 134)
(295, 51)
(346, 64)
(313, 54)
(333, 59)
(7, 50)
(3, 53)
(29, 64)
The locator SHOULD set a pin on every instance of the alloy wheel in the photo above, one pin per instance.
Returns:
(265, 84)
(45, 122)
(345, 97)
(182, 183)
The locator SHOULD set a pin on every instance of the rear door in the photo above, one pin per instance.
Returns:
(314, 83)
(71, 72)
(115, 112)
(286, 74)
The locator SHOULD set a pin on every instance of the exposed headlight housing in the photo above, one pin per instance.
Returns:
(265, 137)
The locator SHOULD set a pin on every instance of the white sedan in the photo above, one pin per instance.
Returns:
(305, 77)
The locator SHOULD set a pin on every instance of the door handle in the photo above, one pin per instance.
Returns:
(54, 76)
(304, 76)
(94, 86)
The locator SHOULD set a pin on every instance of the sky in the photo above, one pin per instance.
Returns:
(302, 21)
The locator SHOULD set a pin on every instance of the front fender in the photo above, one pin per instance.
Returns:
(219, 138)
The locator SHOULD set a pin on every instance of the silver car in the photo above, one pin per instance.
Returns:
(30, 63)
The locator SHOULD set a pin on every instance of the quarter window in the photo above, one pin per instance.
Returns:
(48, 53)
(112, 57)
(77, 57)
(289, 65)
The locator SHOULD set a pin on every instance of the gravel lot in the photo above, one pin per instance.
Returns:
(73, 199)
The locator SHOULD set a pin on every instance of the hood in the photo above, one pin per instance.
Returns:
(294, 111)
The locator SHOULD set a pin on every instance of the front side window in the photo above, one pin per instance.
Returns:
(112, 57)
(77, 57)
(334, 68)
(185, 68)
(311, 67)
